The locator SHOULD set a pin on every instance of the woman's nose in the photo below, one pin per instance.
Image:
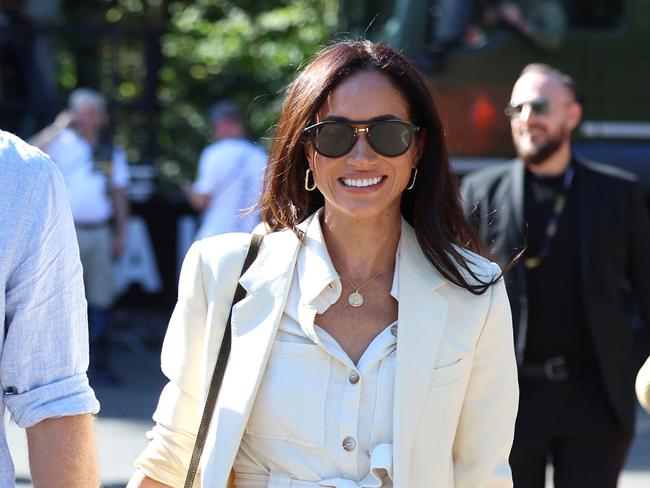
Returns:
(362, 150)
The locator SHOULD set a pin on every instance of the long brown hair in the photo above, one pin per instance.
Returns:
(432, 207)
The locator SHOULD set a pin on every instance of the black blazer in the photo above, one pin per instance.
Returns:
(614, 249)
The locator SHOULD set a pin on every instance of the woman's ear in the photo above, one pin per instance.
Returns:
(309, 153)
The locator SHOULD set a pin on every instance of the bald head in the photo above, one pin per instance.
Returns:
(554, 73)
(544, 112)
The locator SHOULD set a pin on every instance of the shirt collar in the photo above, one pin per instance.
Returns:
(394, 289)
(319, 282)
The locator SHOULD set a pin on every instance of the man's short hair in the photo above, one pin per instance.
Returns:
(224, 110)
(566, 80)
(82, 95)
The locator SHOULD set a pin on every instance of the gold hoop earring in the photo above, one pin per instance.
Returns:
(415, 175)
(307, 186)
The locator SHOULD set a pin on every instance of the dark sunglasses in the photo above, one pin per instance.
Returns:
(334, 138)
(538, 107)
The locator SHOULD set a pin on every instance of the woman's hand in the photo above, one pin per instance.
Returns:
(139, 480)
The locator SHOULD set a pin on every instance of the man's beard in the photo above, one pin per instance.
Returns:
(538, 155)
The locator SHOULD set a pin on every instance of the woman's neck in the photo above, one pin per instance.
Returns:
(360, 249)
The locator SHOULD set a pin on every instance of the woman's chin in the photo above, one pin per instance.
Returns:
(361, 212)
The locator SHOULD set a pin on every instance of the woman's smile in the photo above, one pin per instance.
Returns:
(362, 183)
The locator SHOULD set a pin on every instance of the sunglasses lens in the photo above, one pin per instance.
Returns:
(540, 107)
(387, 137)
(390, 137)
(334, 140)
(515, 111)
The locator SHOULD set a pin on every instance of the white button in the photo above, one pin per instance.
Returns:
(393, 330)
(353, 377)
(349, 444)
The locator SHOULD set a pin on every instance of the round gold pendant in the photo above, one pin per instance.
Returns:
(355, 299)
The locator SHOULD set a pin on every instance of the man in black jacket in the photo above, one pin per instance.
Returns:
(583, 233)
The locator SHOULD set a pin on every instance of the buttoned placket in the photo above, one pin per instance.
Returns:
(349, 422)
(348, 433)
(358, 442)
(378, 350)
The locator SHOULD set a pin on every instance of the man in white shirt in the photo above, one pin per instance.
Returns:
(230, 176)
(96, 176)
(43, 328)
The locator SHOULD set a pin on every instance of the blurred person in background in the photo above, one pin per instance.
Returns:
(96, 175)
(372, 350)
(542, 22)
(584, 231)
(44, 333)
(230, 173)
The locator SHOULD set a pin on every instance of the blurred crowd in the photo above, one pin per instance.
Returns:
(570, 235)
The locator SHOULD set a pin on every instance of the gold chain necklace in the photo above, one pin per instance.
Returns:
(355, 299)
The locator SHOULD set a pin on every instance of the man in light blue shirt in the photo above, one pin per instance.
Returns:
(44, 335)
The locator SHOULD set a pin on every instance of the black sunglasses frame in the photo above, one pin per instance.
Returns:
(366, 126)
(539, 106)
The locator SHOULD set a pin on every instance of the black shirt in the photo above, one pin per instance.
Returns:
(557, 324)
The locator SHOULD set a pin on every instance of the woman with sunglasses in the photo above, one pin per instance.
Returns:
(374, 347)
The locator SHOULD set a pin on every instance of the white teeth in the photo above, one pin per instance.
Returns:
(360, 182)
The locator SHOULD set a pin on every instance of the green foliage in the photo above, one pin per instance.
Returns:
(205, 50)
(245, 50)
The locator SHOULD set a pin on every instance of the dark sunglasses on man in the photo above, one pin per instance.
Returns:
(537, 107)
(336, 138)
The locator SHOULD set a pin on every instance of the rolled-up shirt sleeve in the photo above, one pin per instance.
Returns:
(45, 352)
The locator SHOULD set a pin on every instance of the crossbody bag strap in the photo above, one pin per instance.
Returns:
(219, 369)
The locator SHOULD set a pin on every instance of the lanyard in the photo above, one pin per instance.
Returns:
(553, 221)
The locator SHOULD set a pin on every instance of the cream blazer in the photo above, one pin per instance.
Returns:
(456, 387)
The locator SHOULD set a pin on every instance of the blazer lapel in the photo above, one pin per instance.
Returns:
(506, 214)
(421, 320)
(517, 200)
(254, 324)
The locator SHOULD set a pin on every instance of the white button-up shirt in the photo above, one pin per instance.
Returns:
(43, 327)
(231, 172)
(88, 184)
(319, 419)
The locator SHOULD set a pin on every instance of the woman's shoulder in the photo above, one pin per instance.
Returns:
(233, 246)
(221, 247)
(479, 269)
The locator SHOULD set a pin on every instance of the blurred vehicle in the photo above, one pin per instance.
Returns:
(605, 48)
